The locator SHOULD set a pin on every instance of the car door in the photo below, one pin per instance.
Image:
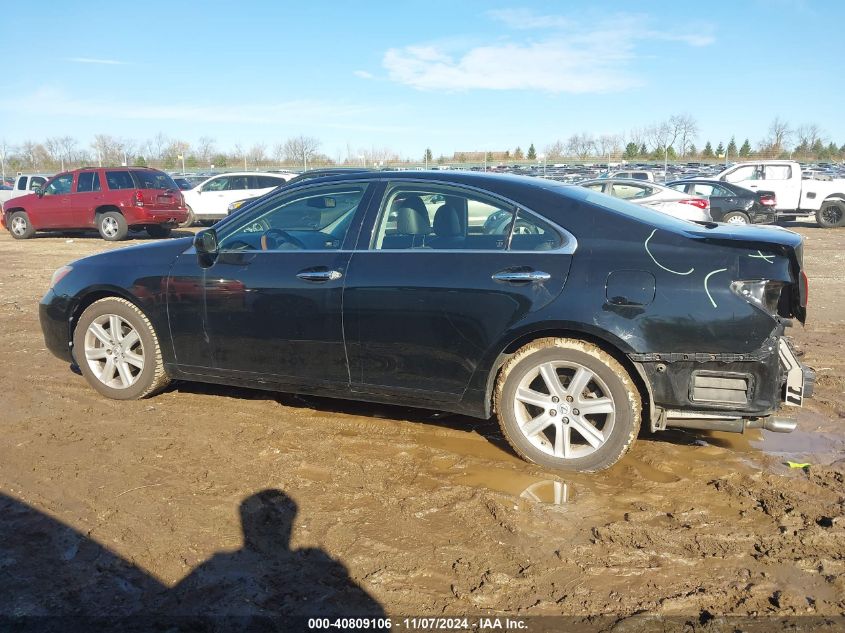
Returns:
(86, 197)
(211, 198)
(712, 193)
(53, 209)
(427, 296)
(784, 182)
(272, 300)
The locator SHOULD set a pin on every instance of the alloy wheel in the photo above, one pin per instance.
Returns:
(564, 409)
(110, 227)
(113, 351)
(832, 214)
(18, 225)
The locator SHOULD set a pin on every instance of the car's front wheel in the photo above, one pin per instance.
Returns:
(567, 404)
(19, 226)
(118, 351)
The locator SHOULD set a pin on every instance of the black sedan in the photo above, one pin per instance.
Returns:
(568, 314)
(731, 203)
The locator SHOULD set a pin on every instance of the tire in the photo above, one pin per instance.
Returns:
(831, 214)
(189, 221)
(19, 226)
(158, 231)
(611, 428)
(95, 347)
(112, 226)
(736, 217)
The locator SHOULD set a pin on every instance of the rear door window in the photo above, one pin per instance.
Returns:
(628, 191)
(120, 180)
(263, 182)
(237, 183)
(777, 172)
(88, 181)
(703, 189)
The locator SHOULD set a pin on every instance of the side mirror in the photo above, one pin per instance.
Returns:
(206, 246)
(39, 192)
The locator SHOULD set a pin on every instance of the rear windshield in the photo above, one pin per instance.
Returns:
(148, 179)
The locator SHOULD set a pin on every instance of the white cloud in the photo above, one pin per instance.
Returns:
(363, 74)
(527, 19)
(91, 60)
(573, 58)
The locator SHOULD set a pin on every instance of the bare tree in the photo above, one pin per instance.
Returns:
(808, 134)
(257, 154)
(609, 144)
(301, 149)
(555, 150)
(158, 145)
(205, 148)
(68, 146)
(53, 147)
(684, 131)
(581, 145)
(779, 136)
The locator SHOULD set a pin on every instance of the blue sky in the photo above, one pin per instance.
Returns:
(450, 75)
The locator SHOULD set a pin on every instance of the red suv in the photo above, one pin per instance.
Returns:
(111, 199)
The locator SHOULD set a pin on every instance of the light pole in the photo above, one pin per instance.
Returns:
(665, 163)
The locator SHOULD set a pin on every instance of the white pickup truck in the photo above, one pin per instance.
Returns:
(795, 196)
(24, 185)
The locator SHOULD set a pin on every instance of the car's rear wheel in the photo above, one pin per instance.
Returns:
(831, 214)
(189, 221)
(19, 226)
(112, 226)
(118, 351)
(158, 231)
(736, 217)
(567, 404)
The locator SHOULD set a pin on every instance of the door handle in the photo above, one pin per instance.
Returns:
(521, 276)
(319, 275)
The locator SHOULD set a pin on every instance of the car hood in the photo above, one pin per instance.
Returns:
(158, 252)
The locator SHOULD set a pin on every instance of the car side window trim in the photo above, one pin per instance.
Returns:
(569, 243)
(352, 232)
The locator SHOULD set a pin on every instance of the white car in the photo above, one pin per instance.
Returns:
(657, 197)
(210, 199)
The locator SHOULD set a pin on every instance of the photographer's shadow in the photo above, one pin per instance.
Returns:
(49, 571)
(266, 577)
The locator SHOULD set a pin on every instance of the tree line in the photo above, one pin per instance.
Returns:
(671, 139)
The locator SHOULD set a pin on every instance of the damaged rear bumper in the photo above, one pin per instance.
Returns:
(727, 392)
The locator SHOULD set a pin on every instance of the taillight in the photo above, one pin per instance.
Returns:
(139, 199)
(764, 293)
(768, 200)
(701, 203)
(805, 286)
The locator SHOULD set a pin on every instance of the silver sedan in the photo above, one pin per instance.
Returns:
(654, 196)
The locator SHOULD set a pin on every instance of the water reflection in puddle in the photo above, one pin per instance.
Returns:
(516, 484)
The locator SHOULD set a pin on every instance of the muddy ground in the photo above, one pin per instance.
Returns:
(121, 507)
